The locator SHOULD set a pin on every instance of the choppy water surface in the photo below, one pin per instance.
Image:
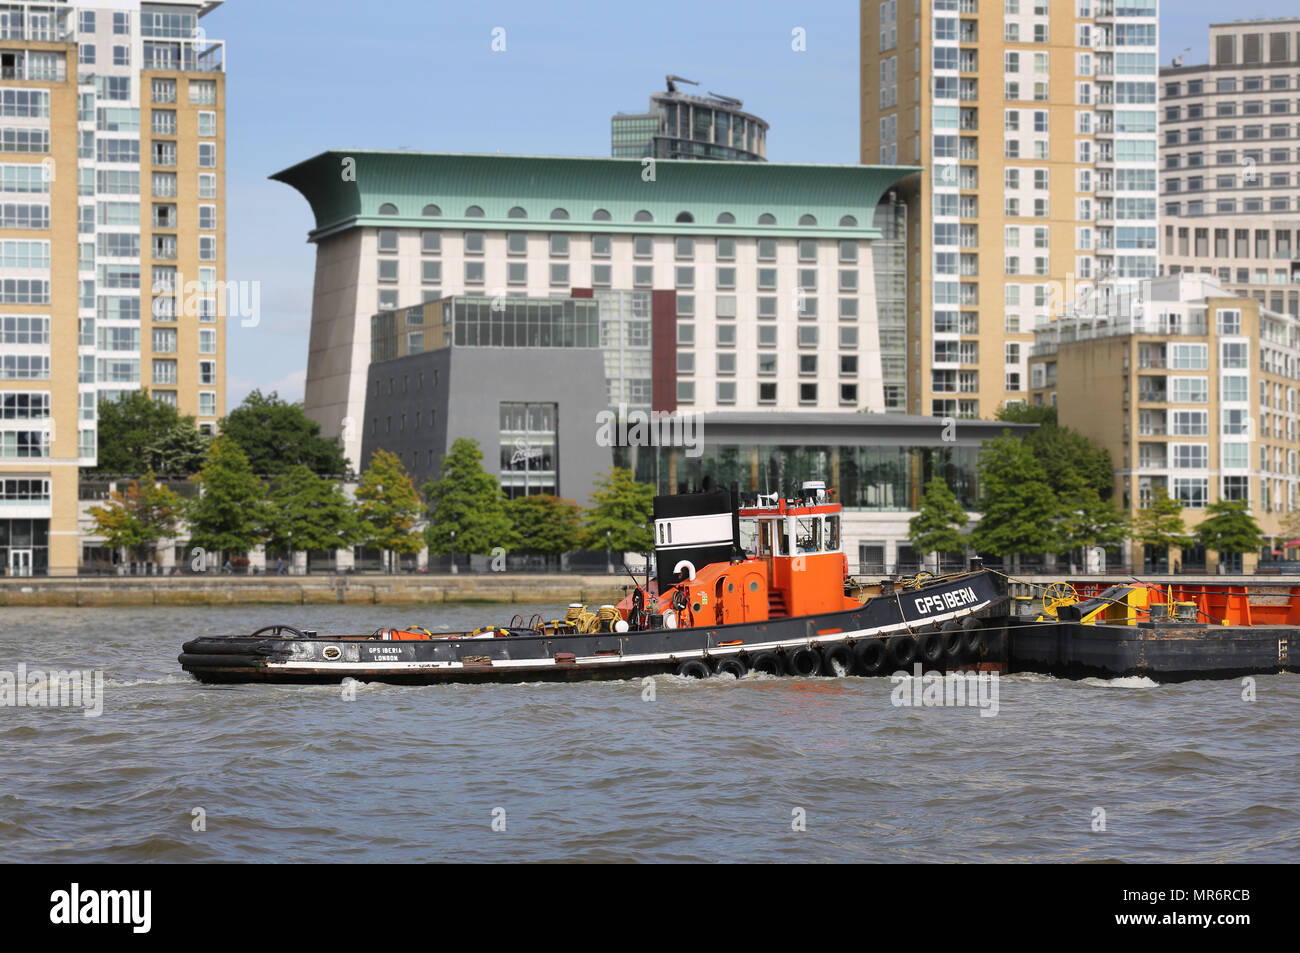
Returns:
(717, 770)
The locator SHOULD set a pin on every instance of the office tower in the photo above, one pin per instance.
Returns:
(1229, 162)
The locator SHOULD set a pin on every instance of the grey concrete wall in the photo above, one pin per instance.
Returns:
(471, 385)
(419, 384)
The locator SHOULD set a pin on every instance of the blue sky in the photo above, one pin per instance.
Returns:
(309, 75)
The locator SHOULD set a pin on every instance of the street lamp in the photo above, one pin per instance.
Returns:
(453, 551)
(609, 554)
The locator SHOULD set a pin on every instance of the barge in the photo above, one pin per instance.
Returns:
(756, 586)
(1169, 633)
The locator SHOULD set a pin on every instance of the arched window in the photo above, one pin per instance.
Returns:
(685, 217)
(807, 219)
(516, 212)
(600, 215)
(388, 208)
(643, 216)
(848, 221)
(473, 212)
(559, 215)
(431, 211)
(726, 218)
(767, 218)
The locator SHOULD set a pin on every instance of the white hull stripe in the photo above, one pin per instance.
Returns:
(589, 661)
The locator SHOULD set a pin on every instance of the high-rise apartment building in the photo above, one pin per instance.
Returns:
(1192, 389)
(682, 126)
(1034, 123)
(1230, 162)
(112, 211)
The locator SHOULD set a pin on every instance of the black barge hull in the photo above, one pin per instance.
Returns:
(1163, 653)
(947, 623)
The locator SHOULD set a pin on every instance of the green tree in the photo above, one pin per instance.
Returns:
(547, 525)
(623, 509)
(136, 518)
(936, 527)
(1160, 525)
(466, 500)
(1018, 509)
(1044, 414)
(1229, 529)
(137, 433)
(277, 435)
(1086, 520)
(307, 512)
(180, 449)
(229, 515)
(388, 505)
(1063, 453)
(1290, 529)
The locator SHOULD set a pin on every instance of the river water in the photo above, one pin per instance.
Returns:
(761, 769)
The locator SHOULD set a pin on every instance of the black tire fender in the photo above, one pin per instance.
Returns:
(732, 665)
(902, 650)
(693, 668)
(768, 663)
(929, 647)
(836, 652)
(871, 656)
(803, 661)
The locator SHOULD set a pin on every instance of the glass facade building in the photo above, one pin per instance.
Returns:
(865, 478)
(681, 126)
(616, 322)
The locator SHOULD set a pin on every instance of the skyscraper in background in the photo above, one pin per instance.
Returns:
(682, 126)
(1035, 127)
(1230, 169)
(112, 215)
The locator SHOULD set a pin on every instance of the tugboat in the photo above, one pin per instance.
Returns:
(759, 585)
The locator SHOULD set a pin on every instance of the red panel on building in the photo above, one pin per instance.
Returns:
(663, 341)
(580, 293)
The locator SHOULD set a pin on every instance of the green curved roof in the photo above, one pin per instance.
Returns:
(540, 184)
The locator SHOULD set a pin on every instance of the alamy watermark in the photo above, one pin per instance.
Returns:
(75, 905)
(36, 688)
(954, 690)
(211, 299)
(640, 428)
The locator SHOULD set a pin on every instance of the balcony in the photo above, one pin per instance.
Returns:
(50, 73)
(38, 28)
(185, 56)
